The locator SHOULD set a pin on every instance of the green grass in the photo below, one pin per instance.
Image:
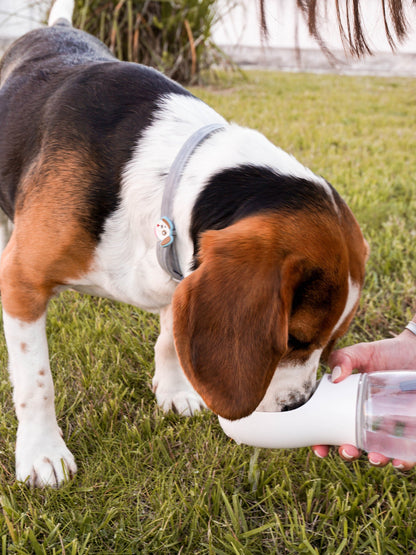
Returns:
(154, 483)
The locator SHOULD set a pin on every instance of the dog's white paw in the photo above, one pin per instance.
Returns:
(184, 401)
(43, 460)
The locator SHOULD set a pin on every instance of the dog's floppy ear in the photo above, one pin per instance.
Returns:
(231, 318)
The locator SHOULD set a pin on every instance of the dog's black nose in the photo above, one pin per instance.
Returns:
(294, 405)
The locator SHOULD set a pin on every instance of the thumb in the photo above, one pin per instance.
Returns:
(344, 361)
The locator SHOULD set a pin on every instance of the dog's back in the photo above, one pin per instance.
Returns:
(43, 77)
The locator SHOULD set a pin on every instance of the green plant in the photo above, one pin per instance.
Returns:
(175, 36)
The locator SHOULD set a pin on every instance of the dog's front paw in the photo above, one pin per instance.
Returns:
(43, 460)
(184, 401)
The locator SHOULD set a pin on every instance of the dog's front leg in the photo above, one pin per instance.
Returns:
(42, 457)
(173, 390)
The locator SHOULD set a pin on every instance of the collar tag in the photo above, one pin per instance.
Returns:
(165, 232)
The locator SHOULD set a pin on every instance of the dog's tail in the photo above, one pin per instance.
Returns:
(62, 9)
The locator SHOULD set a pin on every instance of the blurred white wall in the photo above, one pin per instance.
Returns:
(240, 26)
(19, 16)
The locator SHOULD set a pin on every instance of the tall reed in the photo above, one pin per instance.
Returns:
(175, 36)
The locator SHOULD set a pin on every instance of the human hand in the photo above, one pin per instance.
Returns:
(388, 354)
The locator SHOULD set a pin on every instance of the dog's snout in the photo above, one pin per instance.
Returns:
(294, 404)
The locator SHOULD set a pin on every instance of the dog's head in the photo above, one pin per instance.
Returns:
(271, 293)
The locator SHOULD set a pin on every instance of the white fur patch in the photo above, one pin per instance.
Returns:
(352, 299)
(291, 384)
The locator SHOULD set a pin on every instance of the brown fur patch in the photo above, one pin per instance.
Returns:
(49, 244)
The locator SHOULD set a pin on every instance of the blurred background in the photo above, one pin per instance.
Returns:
(234, 27)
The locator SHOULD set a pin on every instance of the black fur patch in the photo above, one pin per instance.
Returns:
(236, 193)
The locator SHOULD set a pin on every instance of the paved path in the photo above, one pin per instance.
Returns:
(386, 64)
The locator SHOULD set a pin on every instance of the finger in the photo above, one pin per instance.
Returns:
(355, 357)
(349, 452)
(321, 451)
(339, 373)
(342, 358)
(403, 465)
(342, 365)
(377, 459)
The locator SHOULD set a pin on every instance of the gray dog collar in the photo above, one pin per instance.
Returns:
(165, 228)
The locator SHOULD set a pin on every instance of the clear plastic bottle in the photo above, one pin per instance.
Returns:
(375, 412)
(386, 414)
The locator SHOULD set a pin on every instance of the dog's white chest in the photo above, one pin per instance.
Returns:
(127, 272)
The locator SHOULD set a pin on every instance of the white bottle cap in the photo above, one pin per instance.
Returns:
(328, 418)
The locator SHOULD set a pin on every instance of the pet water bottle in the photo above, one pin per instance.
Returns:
(375, 412)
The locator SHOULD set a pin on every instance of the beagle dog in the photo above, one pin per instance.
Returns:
(101, 162)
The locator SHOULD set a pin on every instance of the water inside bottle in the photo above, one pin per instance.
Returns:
(389, 414)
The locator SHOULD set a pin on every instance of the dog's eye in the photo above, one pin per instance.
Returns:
(296, 344)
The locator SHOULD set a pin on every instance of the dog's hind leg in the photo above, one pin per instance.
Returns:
(48, 248)
(42, 457)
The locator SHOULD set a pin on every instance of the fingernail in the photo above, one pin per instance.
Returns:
(318, 454)
(346, 455)
(399, 466)
(374, 462)
(336, 373)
